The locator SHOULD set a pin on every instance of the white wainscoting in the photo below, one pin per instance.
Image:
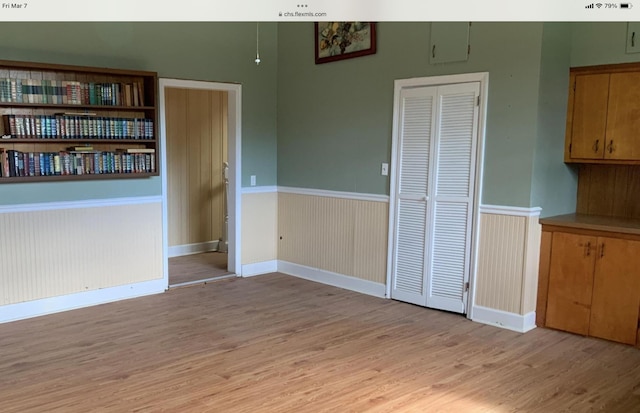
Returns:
(337, 232)
(63, 255)
(507, 267)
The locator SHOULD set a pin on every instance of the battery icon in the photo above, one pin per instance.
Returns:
(625, 5)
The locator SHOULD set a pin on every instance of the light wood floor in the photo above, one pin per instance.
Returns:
(197, 267)
(275, 343)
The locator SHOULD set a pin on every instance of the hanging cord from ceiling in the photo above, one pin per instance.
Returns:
(257, 43)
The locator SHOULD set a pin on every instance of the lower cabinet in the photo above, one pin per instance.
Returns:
(594, 286)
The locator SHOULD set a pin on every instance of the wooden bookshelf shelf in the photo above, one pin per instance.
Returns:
(50, 110)
(39, 141)
(85, 108)
(86, 177)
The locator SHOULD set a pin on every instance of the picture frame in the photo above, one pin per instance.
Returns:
(343, 40)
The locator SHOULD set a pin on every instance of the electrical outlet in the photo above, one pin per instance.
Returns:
(385, 169)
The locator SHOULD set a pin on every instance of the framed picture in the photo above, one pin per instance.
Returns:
(344, 40)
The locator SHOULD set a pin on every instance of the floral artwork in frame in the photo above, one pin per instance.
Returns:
(344, 40)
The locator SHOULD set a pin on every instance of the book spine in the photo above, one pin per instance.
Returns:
(44, 92)
(92, 93)
(41, 164)
(86, 98)
(36, 164)
(38, 91)
(32, 164)
(9, 122)
(85, 128)
(20, 163)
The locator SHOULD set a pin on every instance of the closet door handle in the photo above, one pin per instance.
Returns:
(596, 145)
(433, 51)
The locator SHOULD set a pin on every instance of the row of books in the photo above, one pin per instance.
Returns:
(123, 161)
(71, 92)
(70, 126)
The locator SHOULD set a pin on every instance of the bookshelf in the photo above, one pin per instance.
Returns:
(63, 122)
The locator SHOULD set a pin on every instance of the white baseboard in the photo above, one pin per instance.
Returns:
(259, 268)
(44, 306)
(332, 278)
(503, 319)
(188, 249)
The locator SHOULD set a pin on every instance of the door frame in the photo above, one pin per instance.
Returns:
(399, 85)
(234, 157)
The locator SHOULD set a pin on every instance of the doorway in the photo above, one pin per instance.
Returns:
(435, 185)
(200, 148)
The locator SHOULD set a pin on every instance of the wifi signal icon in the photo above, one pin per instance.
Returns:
(598, 5)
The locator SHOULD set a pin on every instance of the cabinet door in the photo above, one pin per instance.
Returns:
(623, 119)
(616, 290)
(589, 116)
(449, 42)
(571, 282)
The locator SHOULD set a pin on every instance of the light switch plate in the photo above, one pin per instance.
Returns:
(253, 180)
(385, 169)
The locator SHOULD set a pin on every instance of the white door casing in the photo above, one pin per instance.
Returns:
(435, 186)
(234, 156)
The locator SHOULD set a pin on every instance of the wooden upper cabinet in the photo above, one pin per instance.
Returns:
(603, 115)
(623, 117)
(589, 116)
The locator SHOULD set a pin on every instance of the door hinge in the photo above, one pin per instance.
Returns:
(466, 287)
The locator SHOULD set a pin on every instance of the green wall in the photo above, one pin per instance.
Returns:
(329, 126)
(221, 52)
(554, 183)
(600, 43)
(335, 119)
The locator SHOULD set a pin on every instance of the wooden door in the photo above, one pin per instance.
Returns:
(196, 135)
(589, 116)
(571, 282)
(623, 119)
(616, 290)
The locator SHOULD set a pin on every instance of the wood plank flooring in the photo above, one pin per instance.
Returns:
(197, 267)
(275, 343)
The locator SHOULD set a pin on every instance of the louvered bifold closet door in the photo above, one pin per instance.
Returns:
(451, 212)
(416, 120)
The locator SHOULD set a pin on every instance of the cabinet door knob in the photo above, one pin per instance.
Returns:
(596, 145)
(587, 249)
(602, 250)
(610, 146)
(433, 51)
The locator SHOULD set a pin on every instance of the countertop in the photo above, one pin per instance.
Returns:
(594, 222)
